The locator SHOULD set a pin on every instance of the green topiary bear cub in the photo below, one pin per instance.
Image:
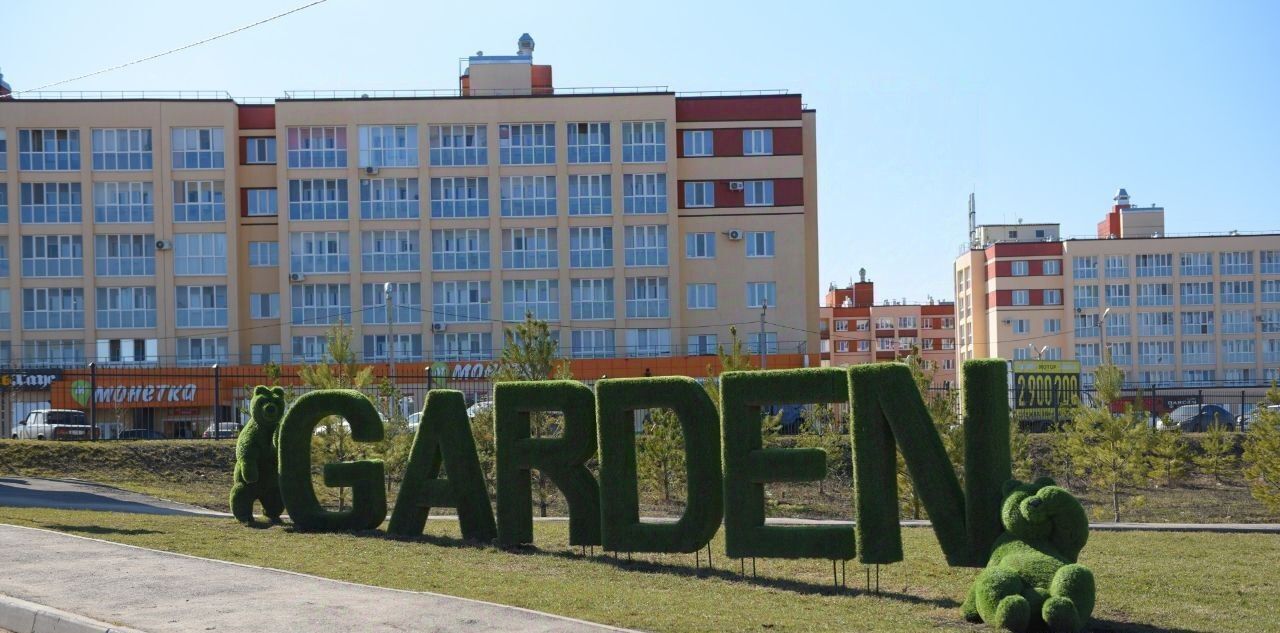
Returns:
(1032, 580)
(256, 475)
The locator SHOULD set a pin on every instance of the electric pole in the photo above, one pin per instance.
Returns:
(763, 309)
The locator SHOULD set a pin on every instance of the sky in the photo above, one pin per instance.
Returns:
(1041, 109)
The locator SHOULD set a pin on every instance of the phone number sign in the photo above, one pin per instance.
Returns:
(1044, 388)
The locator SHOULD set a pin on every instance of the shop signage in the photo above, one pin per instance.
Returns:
(22, 380)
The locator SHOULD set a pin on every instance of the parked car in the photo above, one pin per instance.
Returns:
(413, 421)
(1197, 418)
(140, 434)
(54, 424)
(483, 406)
(224, 431)
(1245, 419)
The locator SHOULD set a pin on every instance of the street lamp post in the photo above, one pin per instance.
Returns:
(1106, 351)
(388, 290)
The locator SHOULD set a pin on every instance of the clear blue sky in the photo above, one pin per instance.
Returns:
(1043, 109)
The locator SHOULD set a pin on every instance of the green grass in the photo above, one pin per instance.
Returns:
(1146, 581)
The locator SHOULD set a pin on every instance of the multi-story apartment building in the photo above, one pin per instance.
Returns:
(640, 222)
(1170, 310)
(855, 330)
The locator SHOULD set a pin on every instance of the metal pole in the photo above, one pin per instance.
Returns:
(93, 399)
(217, 410)
(764, 308)
(389, 289)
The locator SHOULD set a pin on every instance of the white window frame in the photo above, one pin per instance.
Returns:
(316, 147)
(199, 201)
(590, 194)
(390, 250)
(264, 254)
(264, 305)
(645, 245)
(757, 142)
(757, 193)
(539, 297)
(197, 148)
(122, 149)
(461, 301)
(388, 145)
(644, 193)
(319, 252)
(262, 202)
(701, 296)
(460, 197)
(591, 247)
(699, 143)
(644, 141)
(648, 298)
(460, 249)
(317, 199)
(124, 255)
(762, 293)
(390, 199)
(591, 299)
(50, 203)
(528, 196)
(588, 142)
(700, 245)
(199, 254)
(699, 194)
(200, 306)
(319, 304)
(48, 256)
(527, 143)
(465, 145)
(530, 248)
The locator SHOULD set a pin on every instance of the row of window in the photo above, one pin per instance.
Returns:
(902, 323)
(1189, 264)
(1161, 294)
(1166, 353)
(905, 343)
(1191, 323)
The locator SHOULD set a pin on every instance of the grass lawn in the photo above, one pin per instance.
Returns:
(1147, 581)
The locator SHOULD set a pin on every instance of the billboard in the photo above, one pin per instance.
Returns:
(1042, 389)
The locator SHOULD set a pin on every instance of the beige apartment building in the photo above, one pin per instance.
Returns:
(1171, 310)
(192, 229)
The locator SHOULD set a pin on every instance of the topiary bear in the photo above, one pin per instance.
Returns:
(1032, 580)
(257, 476)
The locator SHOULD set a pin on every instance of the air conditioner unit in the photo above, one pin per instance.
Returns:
(735, 185)
(296, 276)
(371, 171)
(437, 327)
(734, 234)
(163, 245)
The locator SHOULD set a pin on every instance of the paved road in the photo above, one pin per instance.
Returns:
(65, 494)
(160, 592)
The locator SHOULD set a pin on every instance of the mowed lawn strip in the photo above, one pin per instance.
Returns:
(1146, 581)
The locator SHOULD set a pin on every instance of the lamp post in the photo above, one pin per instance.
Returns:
(1106, 351)
(388, 290)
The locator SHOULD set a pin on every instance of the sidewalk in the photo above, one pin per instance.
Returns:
(159, 592)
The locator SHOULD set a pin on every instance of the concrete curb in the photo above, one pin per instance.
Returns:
(21, 616)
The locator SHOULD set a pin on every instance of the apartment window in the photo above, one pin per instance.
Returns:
(264, 353)
(460, 249)
(317, 147)
(197, 148)
(264, 305)
(591, 299)
(313, 348)
(760, 244)
(125, 255)
(405, 296)
(539, 297)
(1086, 296)
(1088, 326)
(459, 145)
(1117, 266)
(388, 145)
(1198, 377)
(842, 325)
(527, 143)
(865, 345)
(128, 350)
(646, 245)
(1021, 297)
(761, 294)
(1020, 268)
(862, 325)
(199, 201)
(1271, 290)
(644, 193)
(589, 142)
(131, 307)
(701, 296)
(1236, 262)
(1154, 265)
(925, 344)
(907, 323)
(407, 347)
(1155, 324)
(758, 193)
(1118, 295)
(1271, 354)
(202, 350)
(705, 345)
(52, 308)
(886, 344)
(648, 342)
(647, 298)
(50, 202)
(461, 301)
(1238, 351)
(4, 202)
(699, 143)
(1198, 353)
(463, 345)
(200, 254)
(54, 353)
(201, 306)
(884, 323)
(320, 304)
(1022, 353)
(122, 149)
(1051, 267)
(1161, 378)
(1197, 323)
(260, 150)
(52, 256)
(1271, 321)
(757, 142)
(459, 197)
(319, 252)
(527, 196)
(389, 199)
(4, 151)
(1052, 326)
(1239, 376)
(1237, 321)
(1196, 293)
(700, 245)
(1235, 292)
(590, 194)
(699, 194)
(1052, 297)
(1085, 267)
(1117, 325)
(1269, 262)
(1196, 264)
(49, 150)
(1155, 352)
(390, 251)
(591, 247)
(261, 202)
(530, 248)
(1021, 326)
(770, 342)
(1121, 353)
(644, 141)
(318, 199)
(1155, 294)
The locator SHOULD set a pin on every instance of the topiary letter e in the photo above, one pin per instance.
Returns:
(256, 478)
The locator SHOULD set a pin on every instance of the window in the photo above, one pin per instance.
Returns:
(525, 196)
(591, 247)
(261, 202)
(590, 194)
(539, 297)
(49, 150)
(761, 294)
(759, 193)
(264, 305)
(4, 202)
(589, 142)
(1085, 267)
(263, 353)
(757, 142)
(1088, 326)
(1198, 353)
(1051, 267)
(1234, 292)
(199, 201)
(862, 325)
(197, 148)
(460, 249)
(842, 325)
(4, 151)
(312, 348)
(592, 344)
(647, 298)
(705, 345)
(1118, 324)
(202, 350)
(1021, 297)
(463, 345)
(644, 193)
(770, 342)
(1052, 297)
(699, 143)
(1196, 293)
(1118, 295)
(1155, 294)
(648, 342)
(1117, 266)
(389, 199)
(128, 350)
(388, 145)
(52, 308)
(1198, 377)
(884, 323)
(1021, 326)
(699, 194)
(1239, 376)
(1271, 290)
(459, 197)
(390, 251)
(319, 252)
(1155, 324)
(1236, 263)
(406, 297)
(1086, 296)
(527, 143)
(461, 301)
(701, 296)
(124, 255)
(318, 199)
(1238, 351)
(646, 245)
(201, 306)
(260, 150)
(1121, 353)
(1156, 378)
(52, 256)
(1271, 354)
(122, 149)
(1197, 323)
(320, 304)
(55, 353)
(591, 299)
(1020, 268)
(760, 244)
(459, 145)
(1052, 326)
(50, 202)
(865, 345)
(700, 245)
(407, 347)
(1155, 352)
(530, 248)
(1154, 265)
(200, 254)
(131, 307)
(1196, 264)
(317, 147)
(1268, 261)
(1271, 321)
(644, 141)
(1237, 321)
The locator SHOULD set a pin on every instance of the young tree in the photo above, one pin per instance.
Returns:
(1023, 462)
(660, 452)
(731, 358)
(339, 371)
(1109, 451)
(1217, 451)
(943, 404)
(1262, 452)
(1170, 454)
(820, 430)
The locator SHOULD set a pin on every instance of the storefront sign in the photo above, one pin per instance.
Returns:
(463, 370)
(132, 395)
(21, 380)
